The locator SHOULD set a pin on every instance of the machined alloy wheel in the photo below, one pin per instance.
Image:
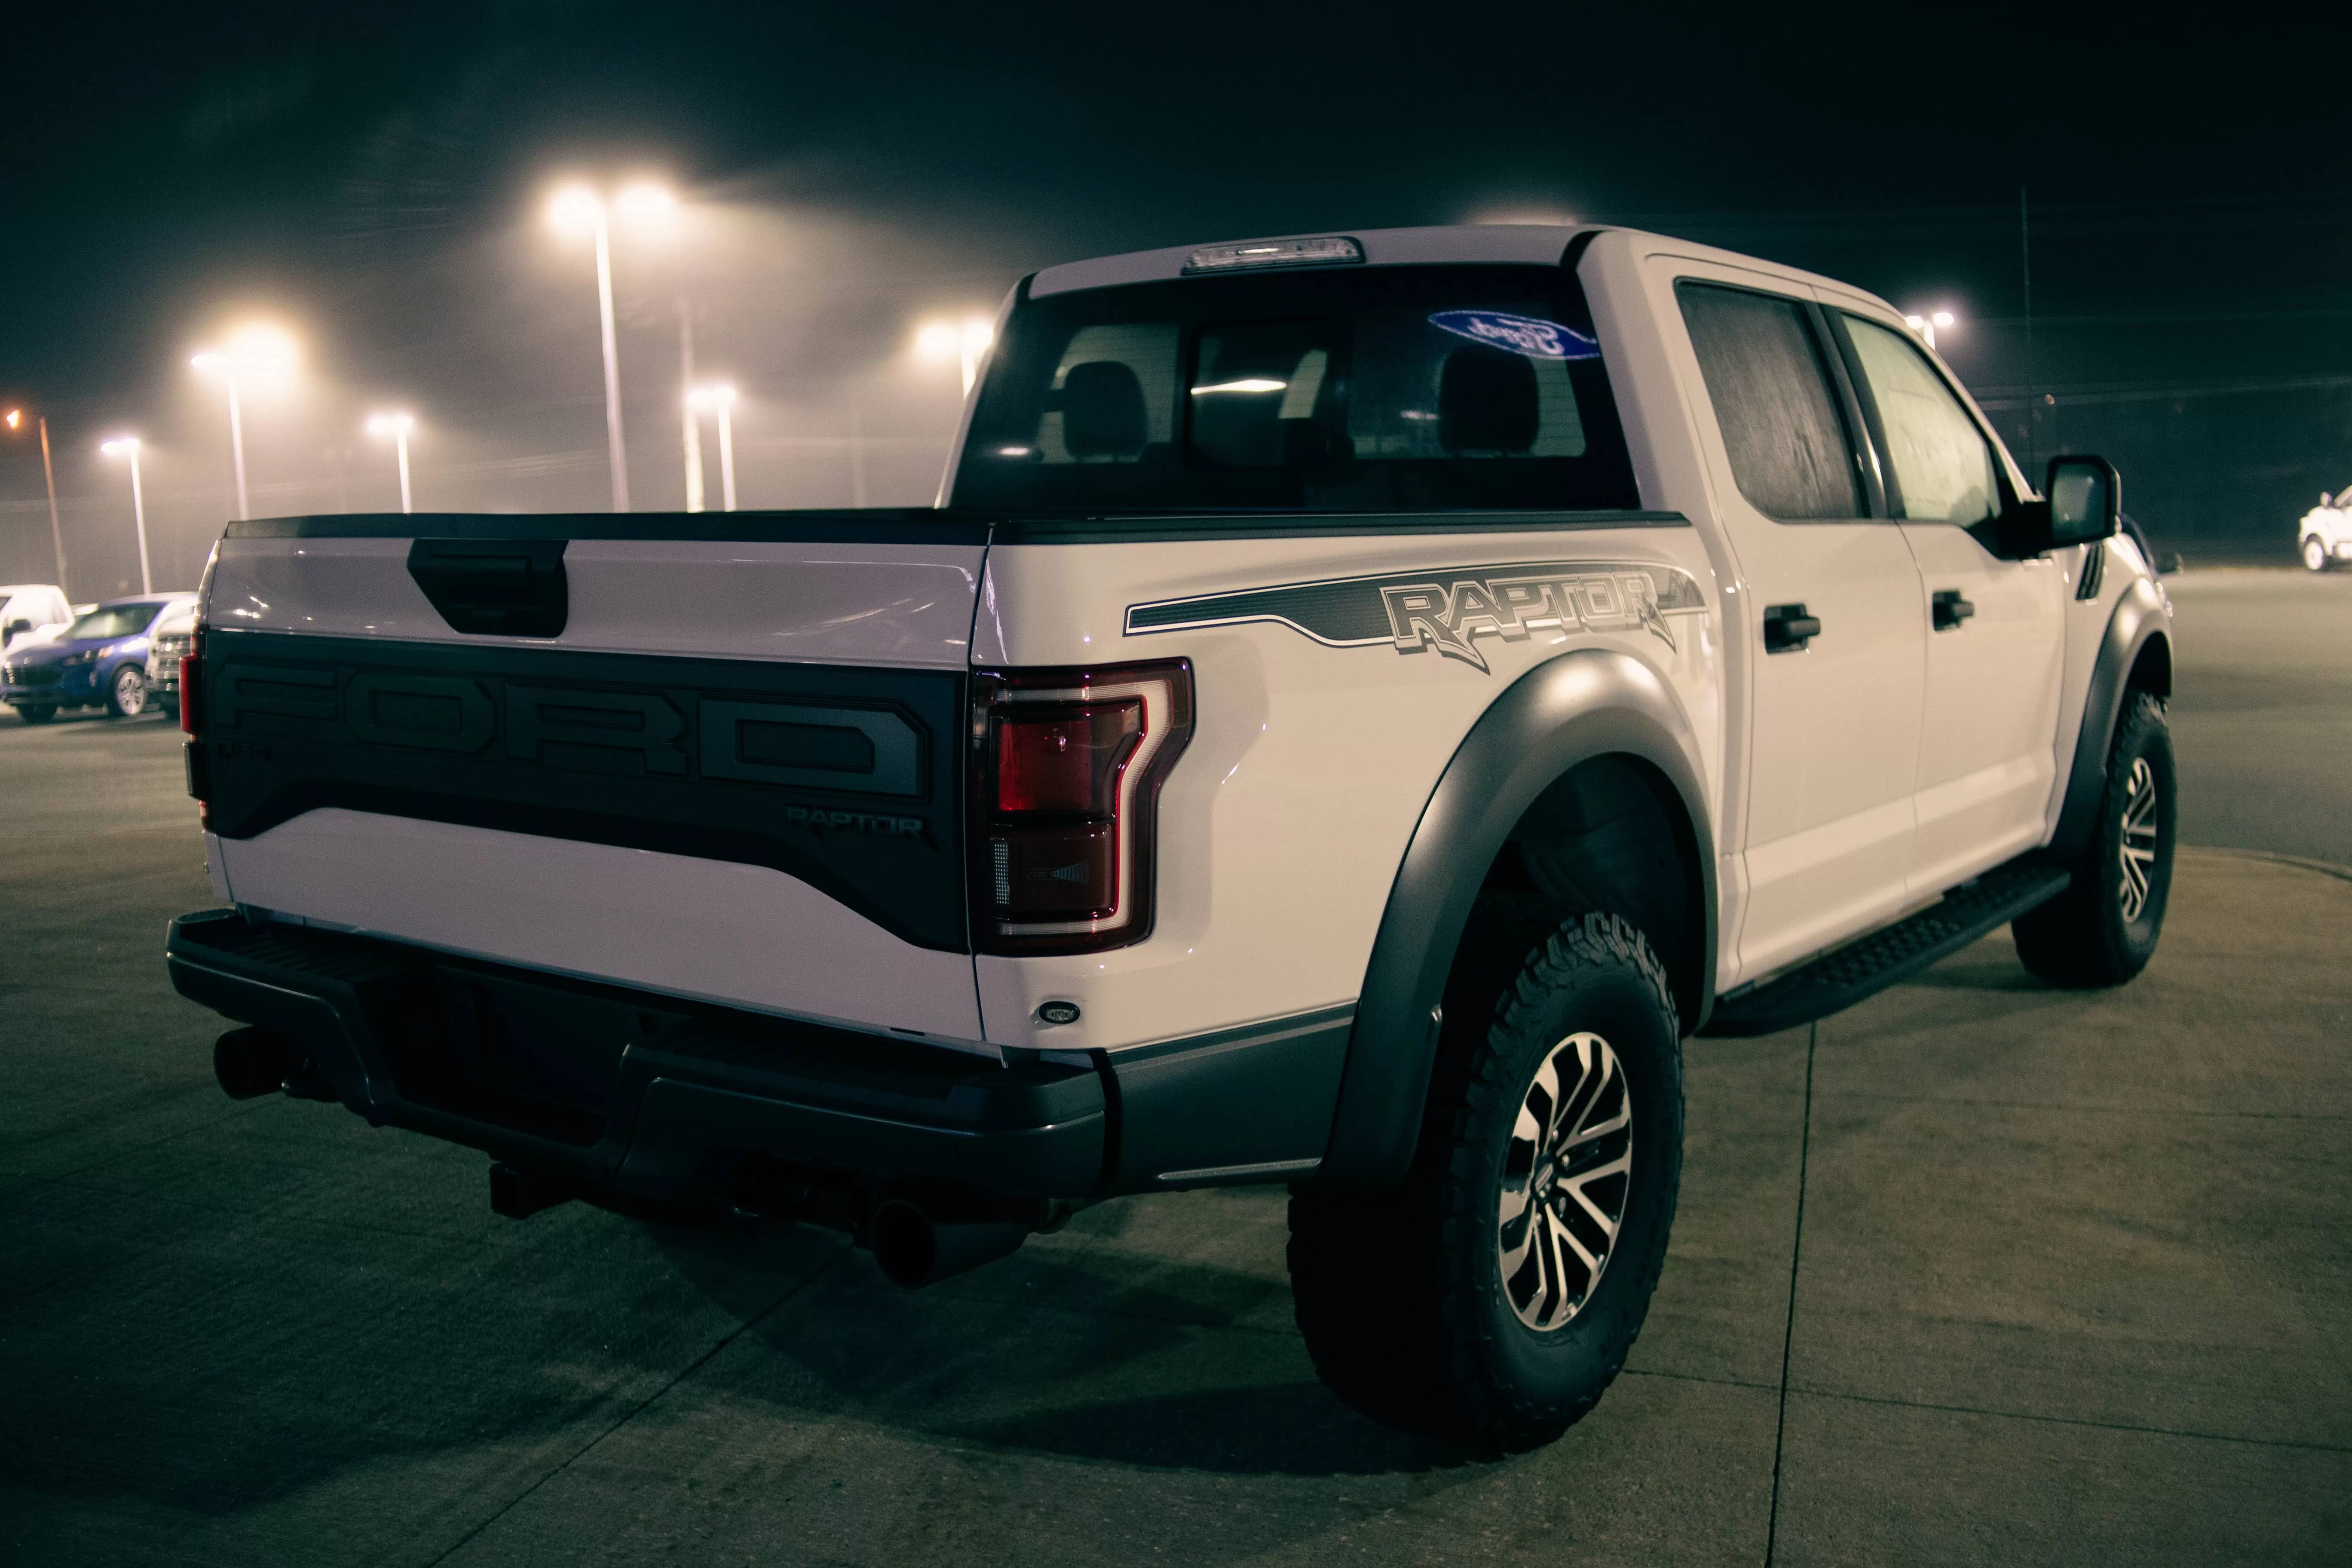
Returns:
(2138, 849)
(126, 695)
(1564, 1181)
(2315, 554)
(1489, 1296)
(2103, 929)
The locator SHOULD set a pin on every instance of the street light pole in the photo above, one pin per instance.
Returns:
(720, 399)
(264, 353)
(127, 446)
(727, 447)
(576, 206)
(57, 533)
(620, 457)
(397, 427)
(237, 444)
(686, 407)
(727, 452)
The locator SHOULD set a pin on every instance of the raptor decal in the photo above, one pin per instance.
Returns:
(1449, 609)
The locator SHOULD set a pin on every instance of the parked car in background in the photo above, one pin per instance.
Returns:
(99, 661)
(169, 643)
(28, 609)
(2325, 535)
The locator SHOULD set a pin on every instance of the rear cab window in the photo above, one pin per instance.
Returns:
(1365, 389)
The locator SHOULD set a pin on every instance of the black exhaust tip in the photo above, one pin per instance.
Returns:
(915, 1250)
(251, 1062)
(519, 1193)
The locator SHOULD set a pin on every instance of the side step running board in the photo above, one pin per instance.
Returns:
(1839, 979)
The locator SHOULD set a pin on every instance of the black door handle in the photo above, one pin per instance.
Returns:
(1787, 628)
(1950, 609)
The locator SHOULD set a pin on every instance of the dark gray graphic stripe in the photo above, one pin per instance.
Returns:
(1449, 608)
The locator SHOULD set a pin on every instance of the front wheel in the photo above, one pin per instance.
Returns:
(36, 713)
(2102, 929)
(2315, 554)
(1490, 1299)
(126, 694)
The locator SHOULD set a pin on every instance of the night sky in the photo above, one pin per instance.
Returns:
(375, 178)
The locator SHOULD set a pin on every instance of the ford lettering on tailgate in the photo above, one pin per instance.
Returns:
(828, 775)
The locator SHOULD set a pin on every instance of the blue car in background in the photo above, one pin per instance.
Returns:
(100, 662)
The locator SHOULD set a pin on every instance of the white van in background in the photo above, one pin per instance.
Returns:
(32, 610)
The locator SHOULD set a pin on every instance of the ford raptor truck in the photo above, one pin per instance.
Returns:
(1360, 701)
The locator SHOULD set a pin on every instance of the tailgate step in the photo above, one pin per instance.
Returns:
(1838, 980)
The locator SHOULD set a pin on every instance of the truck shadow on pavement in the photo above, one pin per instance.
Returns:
(1085, 1344)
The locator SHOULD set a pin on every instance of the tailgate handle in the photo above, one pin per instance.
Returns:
(495, 587)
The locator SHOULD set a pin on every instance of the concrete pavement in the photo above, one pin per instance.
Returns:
(1978, 1272)
(2262, 709)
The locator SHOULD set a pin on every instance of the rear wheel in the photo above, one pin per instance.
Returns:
(2102, 930)
(2315, 554)
(126, 694)
(36, 713)
(1492, 1297)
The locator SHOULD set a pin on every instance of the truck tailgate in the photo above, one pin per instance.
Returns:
(723, 767)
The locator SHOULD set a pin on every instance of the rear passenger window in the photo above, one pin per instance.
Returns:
(1771, 388)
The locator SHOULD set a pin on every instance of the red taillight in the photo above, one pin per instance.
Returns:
(1064, 759)
(192, 720)
(1067, 767)
(190, 667)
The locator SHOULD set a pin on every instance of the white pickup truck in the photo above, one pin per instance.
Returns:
(1362, 701)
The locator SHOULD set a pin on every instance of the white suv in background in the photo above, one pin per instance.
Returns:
(2325, 536)
(31, 609)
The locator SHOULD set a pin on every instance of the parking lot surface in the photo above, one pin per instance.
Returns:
(1978, 1272)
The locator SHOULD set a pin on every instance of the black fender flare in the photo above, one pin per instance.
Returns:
(2138, 618)
(1592, 703)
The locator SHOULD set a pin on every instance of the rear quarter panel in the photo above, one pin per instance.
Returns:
(1282, 827)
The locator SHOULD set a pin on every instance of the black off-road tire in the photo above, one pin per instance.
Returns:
(1402, 1294)
(36, 713)
(2102, 931)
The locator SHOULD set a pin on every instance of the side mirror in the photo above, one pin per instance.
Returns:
(17, 628)
(2084, 502)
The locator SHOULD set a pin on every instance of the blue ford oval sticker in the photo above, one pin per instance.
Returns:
(1528, 335)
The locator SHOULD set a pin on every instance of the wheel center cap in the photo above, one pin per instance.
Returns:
(1545, 1173)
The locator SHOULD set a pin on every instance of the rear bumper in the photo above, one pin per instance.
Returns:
(632, 1091)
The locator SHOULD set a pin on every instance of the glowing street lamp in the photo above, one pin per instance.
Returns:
(397, 427)
(253, 354)
(939, 341)
(720, 399)
(579, 209)
(127, 446)
(1925, 325)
